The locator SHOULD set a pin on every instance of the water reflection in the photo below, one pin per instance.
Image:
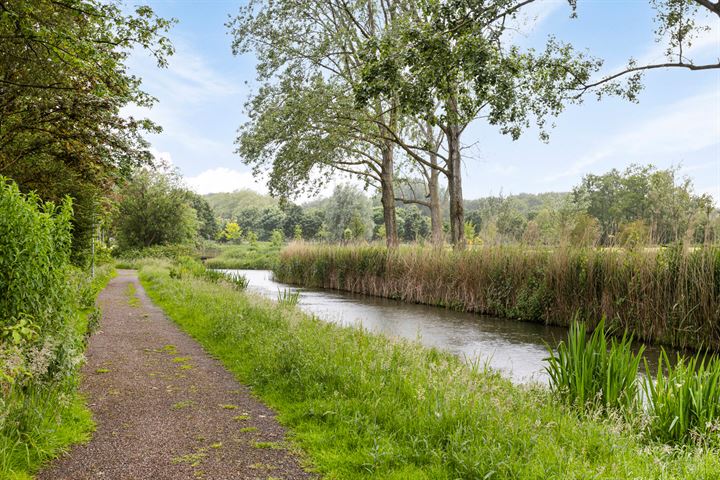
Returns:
(516, 348)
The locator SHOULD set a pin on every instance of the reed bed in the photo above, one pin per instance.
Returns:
(666, 295)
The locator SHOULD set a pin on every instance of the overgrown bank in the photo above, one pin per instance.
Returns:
(668, 295)
(47, 310)
(364, 406)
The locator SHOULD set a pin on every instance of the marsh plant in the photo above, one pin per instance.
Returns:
(288, 298)
(666, 295)
(684, 399)
(590, 371)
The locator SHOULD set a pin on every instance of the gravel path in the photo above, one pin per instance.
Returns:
(164, 408)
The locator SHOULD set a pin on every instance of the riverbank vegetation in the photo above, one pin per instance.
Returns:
(48, 312)
(249, 256)
(668, 295)
(364, 406)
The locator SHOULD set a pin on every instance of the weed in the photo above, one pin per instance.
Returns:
(102, 370)
(684, 404)
(183, 404)
(268, 445)
(240, 418)
(229, 407)
(288, 298)
(248, 429)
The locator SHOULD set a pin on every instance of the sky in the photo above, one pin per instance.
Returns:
(201, 97)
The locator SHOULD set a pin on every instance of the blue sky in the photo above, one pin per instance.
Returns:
(677, 121)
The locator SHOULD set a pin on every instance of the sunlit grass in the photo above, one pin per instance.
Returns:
(363, 406)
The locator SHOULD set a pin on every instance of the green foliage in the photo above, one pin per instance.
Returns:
(277, 239)
(641, 194)
(684, 403)
(235, 204)
(154, 210)
(588, 373)
(34, 260)
(65, 83)
(207, 223)
(48, 309)
(255, 256)
(349, 209)
(363, 406)
(231, 233)
(667, 295)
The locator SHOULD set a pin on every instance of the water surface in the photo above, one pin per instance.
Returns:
(516, 348)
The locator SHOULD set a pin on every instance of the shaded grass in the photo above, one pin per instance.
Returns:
(668, 295)
(363, 406)
(260, 256)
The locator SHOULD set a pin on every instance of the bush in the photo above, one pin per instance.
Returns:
(46, 305)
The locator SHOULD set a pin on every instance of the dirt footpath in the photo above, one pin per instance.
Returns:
(164, 408)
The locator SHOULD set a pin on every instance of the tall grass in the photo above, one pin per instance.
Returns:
(590, 372)
(363, 406)
(668, 295)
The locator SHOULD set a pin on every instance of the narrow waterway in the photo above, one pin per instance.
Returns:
(513, 347)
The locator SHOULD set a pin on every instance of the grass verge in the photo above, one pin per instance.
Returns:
(363, 406)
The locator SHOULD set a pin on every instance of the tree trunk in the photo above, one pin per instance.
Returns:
(434, 192)
(457, 211)
(388, 197)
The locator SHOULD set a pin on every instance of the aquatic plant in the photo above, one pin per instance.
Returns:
(591, 372)
(684, 403)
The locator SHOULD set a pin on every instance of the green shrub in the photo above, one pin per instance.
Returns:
(47, 307)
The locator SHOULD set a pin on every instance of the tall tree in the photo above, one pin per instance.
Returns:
(154, 210)
(450, 62)
(63, 81)
(309, 67)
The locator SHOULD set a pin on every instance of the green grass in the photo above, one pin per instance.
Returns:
(363, 406)
(261, 256)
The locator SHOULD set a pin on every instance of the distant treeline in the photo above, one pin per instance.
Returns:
(640, 205)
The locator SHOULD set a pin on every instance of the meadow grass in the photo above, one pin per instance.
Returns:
(258, 256)
(667, 295)
(364, 406)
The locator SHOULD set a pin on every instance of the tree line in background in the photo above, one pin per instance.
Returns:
(638, 206)
(383, 90)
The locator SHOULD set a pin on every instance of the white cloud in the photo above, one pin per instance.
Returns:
(686, 126)
(224, 180)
